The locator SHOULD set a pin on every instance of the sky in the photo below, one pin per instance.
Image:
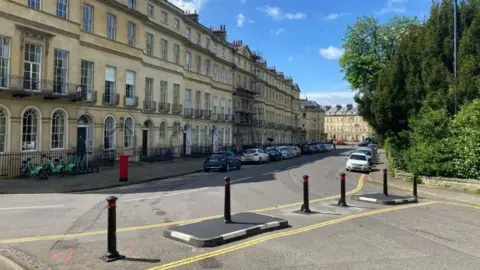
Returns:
(301, 38)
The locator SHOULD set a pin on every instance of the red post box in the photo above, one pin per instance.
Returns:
(123, 173)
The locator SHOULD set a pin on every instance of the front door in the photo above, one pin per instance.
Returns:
(145, 142)
(82, 135)
(184, 143)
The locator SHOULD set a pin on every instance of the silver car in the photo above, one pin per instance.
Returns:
(257, 155)
(286, 152)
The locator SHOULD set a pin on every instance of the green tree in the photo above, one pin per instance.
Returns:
(369, 46)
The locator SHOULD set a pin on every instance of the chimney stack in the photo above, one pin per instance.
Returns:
(327, 107)
(339, 107)
(349, 106)
(220, 32)
(192, 16)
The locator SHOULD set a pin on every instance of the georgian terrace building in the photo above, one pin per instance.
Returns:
(344, 123)
(123, 74)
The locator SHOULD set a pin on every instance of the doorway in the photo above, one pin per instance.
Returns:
(82, 135)
(144, 142)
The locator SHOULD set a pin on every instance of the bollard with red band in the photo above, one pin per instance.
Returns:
(342, 201)
(112, 253)
(305, 206)
(123, 169)
(226, 210)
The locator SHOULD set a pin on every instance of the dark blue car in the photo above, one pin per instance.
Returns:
(222, 161)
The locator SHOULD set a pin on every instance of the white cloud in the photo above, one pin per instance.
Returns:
(243, 1)
(334, 16)
(291, 58)
(251, 21)
(240, 20)
(331, 98)
(393, 6)
(332, 53)
(277, 14)
(279, 31)
(189, 5)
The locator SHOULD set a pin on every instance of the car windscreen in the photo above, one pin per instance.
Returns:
(216, 156)
(250, 151)
(358, 157)
(366, 152)
(269, 149)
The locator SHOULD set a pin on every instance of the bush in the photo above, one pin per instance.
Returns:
(465, 141)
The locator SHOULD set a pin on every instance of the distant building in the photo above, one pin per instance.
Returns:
(312, 121)
(344, 123)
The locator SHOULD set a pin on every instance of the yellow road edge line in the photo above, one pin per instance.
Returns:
(284, 234)
(166, 224)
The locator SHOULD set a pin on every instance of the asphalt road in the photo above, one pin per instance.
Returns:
(67, 231)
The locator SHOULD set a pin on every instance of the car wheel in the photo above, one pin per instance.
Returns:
(206, 170)
(239, 166)
(260, 161)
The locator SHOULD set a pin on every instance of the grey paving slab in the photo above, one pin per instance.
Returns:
(381, 198)
(215, 232)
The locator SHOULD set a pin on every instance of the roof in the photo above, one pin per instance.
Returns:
(309, 104)
(339, 110)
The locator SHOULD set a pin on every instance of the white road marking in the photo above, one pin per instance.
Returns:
(270, 172)
(32, 207)
(165, 195)
(241, 179)
(231, 235)
(269, 225)
(367, 199)
(181, 236)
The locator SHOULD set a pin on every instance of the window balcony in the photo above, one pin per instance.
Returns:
(149, 106)
(177, 108)
(207, 114)
(111, 99)
(188, 112)
(215, 117)
(89, 97)
(164, 107)
(228, 118)
(198, 113)
(131, 102)
(23, 87)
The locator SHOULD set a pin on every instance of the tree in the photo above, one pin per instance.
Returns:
(369, 46)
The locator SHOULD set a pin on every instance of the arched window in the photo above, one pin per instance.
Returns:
(206, 131)
(221, 136)
(128, 133)
(197, 135)
(3, 130)
(30, 130)
(163, 130)
(58, 130)
(109, 133)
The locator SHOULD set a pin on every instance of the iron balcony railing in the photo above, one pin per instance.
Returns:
(177, 108)
(187, 112)
(149, 106)
(207, 114)
(164, 107)
(198, 113)
(111, 99)
(130, 101)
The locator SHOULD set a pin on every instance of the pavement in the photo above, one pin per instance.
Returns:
(106, 178)
(67, 231)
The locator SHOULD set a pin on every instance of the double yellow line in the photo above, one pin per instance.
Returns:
(283, 234)
(166, 224)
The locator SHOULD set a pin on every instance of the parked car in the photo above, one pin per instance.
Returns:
(357, 161)
(222, 161)
(368, 152)
(296, 151)
(286, 152)
(273, 153)
(374, 147)
(255, 155)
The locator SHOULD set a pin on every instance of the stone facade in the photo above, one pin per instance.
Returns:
(312, 121)
(345, 124)
(124, 74)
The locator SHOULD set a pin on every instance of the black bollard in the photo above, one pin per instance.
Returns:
(226, 213)
(112, 253)
(342, 201)
(306, 202)
(385, 183)
(415, 185)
